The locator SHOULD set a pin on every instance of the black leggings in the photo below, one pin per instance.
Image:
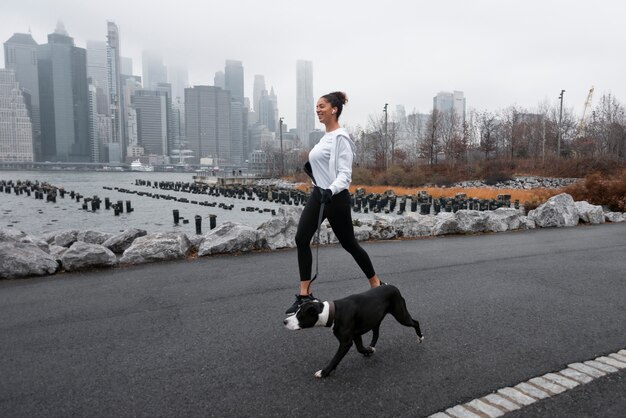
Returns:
(338, 213)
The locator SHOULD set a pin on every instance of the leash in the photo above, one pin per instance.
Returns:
(317, 248)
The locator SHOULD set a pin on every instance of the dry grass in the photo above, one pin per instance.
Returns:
(535, 196)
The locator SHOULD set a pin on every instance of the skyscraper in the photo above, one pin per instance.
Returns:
(63, 95)
(453, 103)
(219, 80)
(305, 108)
(259, 87)
(233, 74)
(207, 123)
(151, 108)
(20, 55)
(115, 88)
(16, 130)
(154, 72)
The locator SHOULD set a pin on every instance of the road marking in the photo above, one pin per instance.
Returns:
(541, 387)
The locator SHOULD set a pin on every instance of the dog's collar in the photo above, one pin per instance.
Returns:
(331, 314)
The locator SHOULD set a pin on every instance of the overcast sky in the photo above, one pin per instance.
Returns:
(498, 52)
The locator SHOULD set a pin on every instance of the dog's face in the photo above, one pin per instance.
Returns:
(307, 316)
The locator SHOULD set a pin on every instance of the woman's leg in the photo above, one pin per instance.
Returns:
(306, 229)
(340, 217)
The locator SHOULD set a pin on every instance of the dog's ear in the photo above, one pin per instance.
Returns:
(312, 308)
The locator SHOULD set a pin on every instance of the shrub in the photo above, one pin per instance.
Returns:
(598, 189)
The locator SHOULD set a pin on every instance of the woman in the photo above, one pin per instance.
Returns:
(331, 164)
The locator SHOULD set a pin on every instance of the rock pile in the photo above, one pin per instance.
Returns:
(22, 255)
(521, 183)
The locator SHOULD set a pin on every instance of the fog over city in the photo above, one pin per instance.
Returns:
(499, 53)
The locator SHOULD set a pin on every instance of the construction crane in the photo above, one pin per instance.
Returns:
(582, 125)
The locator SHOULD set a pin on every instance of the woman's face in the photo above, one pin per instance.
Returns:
(324, 111)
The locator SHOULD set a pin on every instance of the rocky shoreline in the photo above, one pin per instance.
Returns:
(23, 255)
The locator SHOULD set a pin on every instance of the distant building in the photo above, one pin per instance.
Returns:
(219, 80)
(20, 55)
(16, 130)
(259, 87)
(305, 106)
(179, 79)
(154, 72)
(64, 102)
(151, 109)
(453, 103)
(208, 124)
(115, 89)
(126, 66)
(314, 138)
(233, 77)
(268, 113)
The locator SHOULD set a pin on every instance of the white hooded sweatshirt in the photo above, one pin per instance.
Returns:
(331, 161)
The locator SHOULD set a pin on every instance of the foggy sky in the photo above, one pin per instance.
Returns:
(498, 52)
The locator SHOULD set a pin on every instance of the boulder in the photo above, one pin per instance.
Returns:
(589, 214)
(19, 259)
(157, 247)
(13, 235)
(82, 255)
(93, 237)
(230, 237)
(525, 223)
(362, 232)
(119, 243)
(471, 221)
(383, 228)
(614, 217)
(446, 224)
(503, 219)
(558, 211)
(414, 225)
(57, 251)
(280, 230)
(66, 238)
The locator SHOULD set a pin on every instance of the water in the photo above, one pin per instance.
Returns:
(36, 216)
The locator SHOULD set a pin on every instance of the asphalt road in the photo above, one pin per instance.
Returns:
(205, 337)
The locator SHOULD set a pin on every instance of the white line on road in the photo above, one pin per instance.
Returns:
(541, 387)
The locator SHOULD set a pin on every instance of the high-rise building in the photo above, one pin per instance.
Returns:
(115, 89)
(236, 134)
(166, 88)
(97, 65)
(219, 80)
(207, 123)
(305, 107)
(259, 87)
(233, 76)
(130, 84)
(267, 111)
(151, 108)
(453, 103)
(179, 79)
(20, 55)
(16, 130)
(126, 65)
(63, 97)
(154, 72)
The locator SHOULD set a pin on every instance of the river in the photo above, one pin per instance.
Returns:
(36, 217)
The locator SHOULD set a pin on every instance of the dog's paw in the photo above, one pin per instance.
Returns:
(420, 339)
(369, 351)
(318, 374)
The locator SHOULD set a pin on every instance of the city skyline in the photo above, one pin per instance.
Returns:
(498, 54)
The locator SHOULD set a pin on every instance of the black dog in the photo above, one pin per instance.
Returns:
(353, 316)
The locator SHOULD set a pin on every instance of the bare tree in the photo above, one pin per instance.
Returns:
(431, 146)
